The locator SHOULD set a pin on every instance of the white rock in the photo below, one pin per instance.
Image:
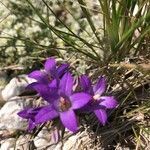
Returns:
(57, 147)
(42, 139)
(15, 87)
(22, 142)
(70, 143)
(8, 144)
(8, 114)
(75, 141)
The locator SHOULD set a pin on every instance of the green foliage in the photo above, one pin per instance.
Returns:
(123, 21)
(122, 27)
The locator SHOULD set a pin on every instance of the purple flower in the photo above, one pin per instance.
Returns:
(51, 71)
(64, 104)
(98, 103)
(45, 77)
(29, 113)
(55, 85)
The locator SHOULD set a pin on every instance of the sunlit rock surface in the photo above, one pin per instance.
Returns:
(15, 87)
(8, 144)
(8, 114)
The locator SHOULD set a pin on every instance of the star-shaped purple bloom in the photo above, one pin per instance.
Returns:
(98, 103)
(44, 78)
(51, 71)
(64, 104)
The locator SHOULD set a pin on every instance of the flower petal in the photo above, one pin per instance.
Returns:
(66, 84)
(31, 125)
(100, 86)
(29, 112)
(91, 106)
(85, 83)
(54, 84)
(101, 115)
(24, 113)
(79, 100)
(61, 70)
(40, 76)
(47, 113)
(50, 66)
(69, 120)
(43, 89)
(108, 101)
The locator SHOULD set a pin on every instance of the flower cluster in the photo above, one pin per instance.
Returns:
(55, 84)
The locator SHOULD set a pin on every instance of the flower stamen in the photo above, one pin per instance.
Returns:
(64, 104)
(96, 96)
